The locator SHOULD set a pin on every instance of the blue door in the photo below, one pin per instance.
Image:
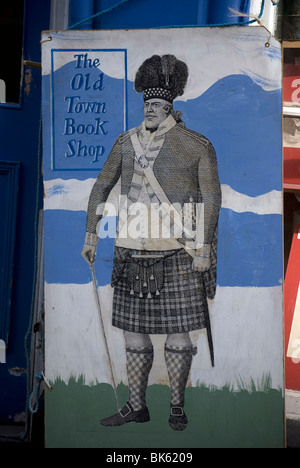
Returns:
(22, 22)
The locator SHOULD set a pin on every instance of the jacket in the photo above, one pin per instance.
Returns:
(185, 167)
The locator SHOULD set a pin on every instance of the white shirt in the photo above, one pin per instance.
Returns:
(140, 225)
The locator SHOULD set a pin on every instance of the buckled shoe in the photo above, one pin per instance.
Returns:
(178, 420)
(127, 415)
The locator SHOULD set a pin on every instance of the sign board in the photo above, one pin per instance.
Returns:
(180, 327)
(291, 84)
(291, 308)
(291, 119)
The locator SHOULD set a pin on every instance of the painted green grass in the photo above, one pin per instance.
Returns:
(252, 417)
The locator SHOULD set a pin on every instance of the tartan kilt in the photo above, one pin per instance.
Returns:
(181, 305)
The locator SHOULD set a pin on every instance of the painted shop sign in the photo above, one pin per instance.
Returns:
(88, 111)
(163, 235)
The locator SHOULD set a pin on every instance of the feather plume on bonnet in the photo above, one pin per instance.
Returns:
(161, 77)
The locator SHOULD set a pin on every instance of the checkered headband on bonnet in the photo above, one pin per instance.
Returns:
(161, 77)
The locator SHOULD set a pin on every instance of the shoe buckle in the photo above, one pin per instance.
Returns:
(127, 413)
(178, 411)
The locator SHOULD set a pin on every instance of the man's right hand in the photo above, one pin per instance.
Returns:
(89, 253)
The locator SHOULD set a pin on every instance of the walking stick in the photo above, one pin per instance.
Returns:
(95, 289)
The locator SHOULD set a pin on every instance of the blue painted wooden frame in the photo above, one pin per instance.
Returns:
(8, 226)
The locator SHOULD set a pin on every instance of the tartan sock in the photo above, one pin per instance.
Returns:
(139, 364)
(179, 361)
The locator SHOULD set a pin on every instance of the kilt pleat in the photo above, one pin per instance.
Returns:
(181, 305)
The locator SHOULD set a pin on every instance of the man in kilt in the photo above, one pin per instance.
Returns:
(161, 283)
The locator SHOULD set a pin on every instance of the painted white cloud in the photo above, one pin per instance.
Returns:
(268, 203)
(73, 195)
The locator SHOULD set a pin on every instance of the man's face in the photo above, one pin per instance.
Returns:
(155, 112)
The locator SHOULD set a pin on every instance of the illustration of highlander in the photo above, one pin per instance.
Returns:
(165, 269)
